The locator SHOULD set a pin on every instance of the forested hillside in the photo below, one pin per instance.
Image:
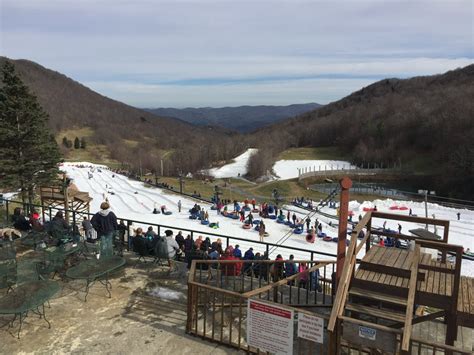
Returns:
(418, 122)
(242, 118)
(71, 105)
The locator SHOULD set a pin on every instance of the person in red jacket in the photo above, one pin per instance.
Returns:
(230, 269)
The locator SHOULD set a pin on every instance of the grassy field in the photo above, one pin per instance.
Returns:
(322, 153)
(94, 153)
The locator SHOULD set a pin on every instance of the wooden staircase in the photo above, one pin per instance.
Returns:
(368, 301)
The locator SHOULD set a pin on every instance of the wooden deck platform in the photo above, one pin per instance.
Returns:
(388, 270)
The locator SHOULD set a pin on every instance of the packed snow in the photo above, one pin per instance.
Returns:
(283, 169)
(133, 200)
(289, 169)
(237, 168)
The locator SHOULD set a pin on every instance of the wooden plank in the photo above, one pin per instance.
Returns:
(411, 300)
(343, 287)
(471, 295)
(435, 279)
(379, 252)
(377, 296)
(375, 312)
(442, 281)
(399, 280)
(465, 295)
(394, 257)
(449, 285)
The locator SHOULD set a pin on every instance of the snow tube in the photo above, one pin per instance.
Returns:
(266, 234)
(270, 210)
(288, 223)
(280, 221)
(403, 208)
(310, 238)
(394, 208)
(256, 221)
(293, 225)
(213, 225)
(273, 216)
(257, 228)
(205, 222)
(367, 209)
(193, 216)
(167, 213)
(321, 235)
(281, 218)
(335, 239)
(247, 226)
(246, 208)
(327, 239)
(298, 231)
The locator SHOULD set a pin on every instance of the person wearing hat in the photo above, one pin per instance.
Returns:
(249, 255)
(105, 223)
(173, 247)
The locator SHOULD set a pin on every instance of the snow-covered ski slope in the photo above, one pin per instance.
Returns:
(133, 200)
(237, 168)
(283, 169)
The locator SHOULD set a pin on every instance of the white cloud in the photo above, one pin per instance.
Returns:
(152, 42)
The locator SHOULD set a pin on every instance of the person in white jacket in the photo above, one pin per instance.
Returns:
(173, 247)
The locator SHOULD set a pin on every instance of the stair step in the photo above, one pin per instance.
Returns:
(375, 312)
(354, 291)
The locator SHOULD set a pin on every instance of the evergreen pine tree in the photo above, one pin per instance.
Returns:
(65, 142)
(29, 154)
(83, 143)
(77, 143)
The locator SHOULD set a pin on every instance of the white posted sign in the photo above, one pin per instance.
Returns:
(269, 327)
(310, 327)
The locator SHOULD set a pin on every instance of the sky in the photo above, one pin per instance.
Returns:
(229, 52)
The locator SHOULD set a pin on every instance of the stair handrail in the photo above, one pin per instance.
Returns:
(411, 299)
(348, 270)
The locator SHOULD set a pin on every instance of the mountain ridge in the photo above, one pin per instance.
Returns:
(244, 118)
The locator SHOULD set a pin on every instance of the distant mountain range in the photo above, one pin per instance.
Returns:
(242, 118)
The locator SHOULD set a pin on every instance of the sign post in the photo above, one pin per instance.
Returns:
(310, 327)
(270, 327)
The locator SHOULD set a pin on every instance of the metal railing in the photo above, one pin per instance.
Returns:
(76, 219)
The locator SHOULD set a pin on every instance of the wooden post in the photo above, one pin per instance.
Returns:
(66, 199)
(346, 184)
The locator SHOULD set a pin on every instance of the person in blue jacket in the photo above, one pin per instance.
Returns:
(105, 223)
(237, 253)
